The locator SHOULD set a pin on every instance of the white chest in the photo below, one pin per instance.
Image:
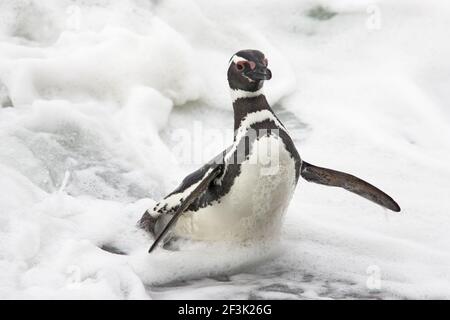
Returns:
(256, 203)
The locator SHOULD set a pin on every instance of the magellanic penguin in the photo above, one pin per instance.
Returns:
(243, 193)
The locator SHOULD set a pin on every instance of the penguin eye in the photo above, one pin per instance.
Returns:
(240, 65)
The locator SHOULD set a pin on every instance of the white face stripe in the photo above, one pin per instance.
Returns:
(236, 59)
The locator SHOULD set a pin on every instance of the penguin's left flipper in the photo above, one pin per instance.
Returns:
(349, 182)
(202, 186)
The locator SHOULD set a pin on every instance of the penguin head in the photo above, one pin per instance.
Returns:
(248, 70)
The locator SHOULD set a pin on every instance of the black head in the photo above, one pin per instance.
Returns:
(248, 70)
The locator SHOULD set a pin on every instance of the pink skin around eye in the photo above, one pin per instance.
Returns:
(240, 65)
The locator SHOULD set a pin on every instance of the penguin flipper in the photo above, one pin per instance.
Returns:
(349, 182)
(202, 186)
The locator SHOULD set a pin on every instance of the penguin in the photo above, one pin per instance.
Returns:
(243, 193)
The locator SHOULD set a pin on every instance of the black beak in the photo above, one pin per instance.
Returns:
(260, 73)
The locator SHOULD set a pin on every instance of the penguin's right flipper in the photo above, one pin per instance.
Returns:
(349, 182)
(202, 186)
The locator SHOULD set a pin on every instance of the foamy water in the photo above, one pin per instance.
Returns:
(102, 93)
